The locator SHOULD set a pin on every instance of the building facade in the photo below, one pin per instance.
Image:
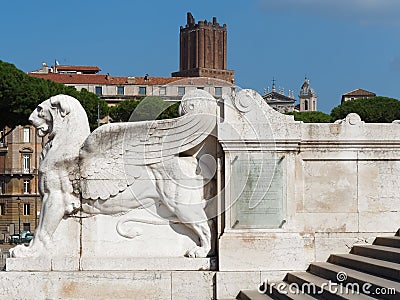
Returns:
(357, 94)
(116, 89)
(278, 100)
(203, 50)
(19, 196)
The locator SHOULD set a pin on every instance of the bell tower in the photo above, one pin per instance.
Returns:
(308, 97)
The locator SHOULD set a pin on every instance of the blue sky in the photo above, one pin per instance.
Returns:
(340, 45)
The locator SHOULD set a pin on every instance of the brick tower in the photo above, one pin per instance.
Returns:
(203, 50)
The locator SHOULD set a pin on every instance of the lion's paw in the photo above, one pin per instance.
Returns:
(197, 252)
(23, 251)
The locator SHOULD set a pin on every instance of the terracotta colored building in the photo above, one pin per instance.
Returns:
(114, 89)
(19, 195)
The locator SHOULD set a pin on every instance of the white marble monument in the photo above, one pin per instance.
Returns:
(127, 190)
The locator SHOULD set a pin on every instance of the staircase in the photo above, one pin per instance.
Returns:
(373, 270)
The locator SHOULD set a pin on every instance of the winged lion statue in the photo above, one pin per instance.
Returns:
(120, 167)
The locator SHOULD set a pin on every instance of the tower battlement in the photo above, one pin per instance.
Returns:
(203, 50)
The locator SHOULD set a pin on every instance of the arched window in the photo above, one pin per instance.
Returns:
(305, 104)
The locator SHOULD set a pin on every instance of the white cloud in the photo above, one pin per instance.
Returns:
(366, 12)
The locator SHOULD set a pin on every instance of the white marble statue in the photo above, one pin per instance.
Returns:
(94, 173)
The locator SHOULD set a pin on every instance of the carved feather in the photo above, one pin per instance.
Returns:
(114, 155)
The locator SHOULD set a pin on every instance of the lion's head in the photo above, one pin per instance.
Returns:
(59, 112)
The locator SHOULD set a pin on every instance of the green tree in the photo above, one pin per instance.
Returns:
(149, 108)
(20, 94)
(123, 110)
(90, 103)
(154, 108)
(372, 110)
(312, 117)
(172, 111)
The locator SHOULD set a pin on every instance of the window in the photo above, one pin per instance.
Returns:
(163, 90)
(2, 131)
(2, 187)
(27, 186)
(218, 91)
(26, 163)
(27, 227)
(306, 105)
(200, 87)
(181, 90)
(2, 209)
(27, 209)
(99, 90)
(142, 90)
(120, 90)
(27, 137)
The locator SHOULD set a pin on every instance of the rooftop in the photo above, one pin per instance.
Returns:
(81, 78)
(278, 97)
(105, 79)
(83, 69)
(360, 92)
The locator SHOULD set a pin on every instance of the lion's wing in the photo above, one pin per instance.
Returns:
(166, 138)
(102, 173)
(113, 156)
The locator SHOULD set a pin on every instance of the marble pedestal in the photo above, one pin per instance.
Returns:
(108, 285)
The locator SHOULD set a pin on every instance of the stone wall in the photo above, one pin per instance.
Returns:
(318, 188)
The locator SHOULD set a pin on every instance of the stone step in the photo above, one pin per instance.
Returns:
(283, 290)
(370, 270)
(387, 289)
(323, 288)
(389, 241)
(369, 265)
(252, 295)
(377, 252)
